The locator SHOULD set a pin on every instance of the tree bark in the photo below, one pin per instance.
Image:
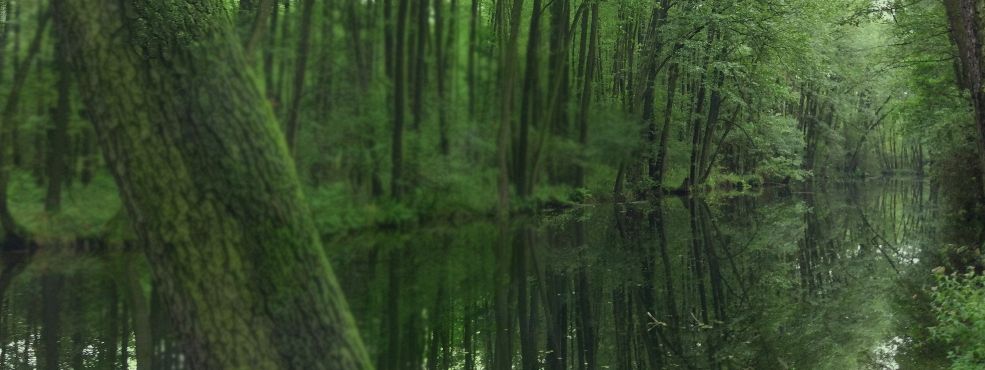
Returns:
(507, 76)
(660, 165)
(966, 23)
(56, 165)
(268, 54)
(399, 102)
(300, 68)
(470, 73)
(209, 186)
(588, 77)
(420, 63)
(266, 8)
(139, 315)
(529, 107)
(442, 53)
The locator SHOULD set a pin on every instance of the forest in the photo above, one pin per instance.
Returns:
(492, 184)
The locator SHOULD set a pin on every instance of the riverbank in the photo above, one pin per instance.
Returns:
(94, 211)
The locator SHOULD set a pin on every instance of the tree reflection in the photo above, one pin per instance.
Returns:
(799, 280)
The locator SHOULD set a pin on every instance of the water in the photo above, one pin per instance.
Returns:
(782, 280)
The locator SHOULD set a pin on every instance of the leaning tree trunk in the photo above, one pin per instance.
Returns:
(209, 186)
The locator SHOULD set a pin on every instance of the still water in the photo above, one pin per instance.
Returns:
(782, 280)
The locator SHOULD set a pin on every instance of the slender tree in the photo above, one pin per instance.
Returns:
(57, 166)
(399, 102)
(300, 68)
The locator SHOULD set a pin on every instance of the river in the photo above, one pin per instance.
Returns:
(786, 279)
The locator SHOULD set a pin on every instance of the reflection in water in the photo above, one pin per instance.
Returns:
(800, 280)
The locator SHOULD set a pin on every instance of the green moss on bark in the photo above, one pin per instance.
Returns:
(209, 186)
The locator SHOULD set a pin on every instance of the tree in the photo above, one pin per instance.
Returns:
(209, 186)
(57, 165)
(399, 101)
(966, 28)
(299, 72)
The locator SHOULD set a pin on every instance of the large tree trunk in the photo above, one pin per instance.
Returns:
(965, 22)
(209, 186)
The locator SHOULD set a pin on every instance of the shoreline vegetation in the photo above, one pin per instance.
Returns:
(92, 214)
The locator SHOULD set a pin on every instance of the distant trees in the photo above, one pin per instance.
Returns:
(694, 77)
(670, 96)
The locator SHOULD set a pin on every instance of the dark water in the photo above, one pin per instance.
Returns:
(783, 280)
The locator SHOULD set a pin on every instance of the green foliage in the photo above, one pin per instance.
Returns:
(87, 210)
(777, 140)
(959, 304)
(735, 182)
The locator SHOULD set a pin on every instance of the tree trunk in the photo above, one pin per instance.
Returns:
(266, 8)
(657, 172)
(965, 30)
(470, 73)
(209, 186)
(399, 104)
(696, 135)
(588, 77)
(529, 107)
(300, 68)
(420, 63)
(58, 134)
(507, 75)
(268, 55)
(442, 54)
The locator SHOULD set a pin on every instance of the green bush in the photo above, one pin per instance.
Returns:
(959, 305)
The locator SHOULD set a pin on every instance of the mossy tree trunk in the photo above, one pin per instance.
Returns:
(209, 186)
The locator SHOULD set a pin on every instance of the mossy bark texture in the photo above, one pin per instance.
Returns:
(209, 186)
